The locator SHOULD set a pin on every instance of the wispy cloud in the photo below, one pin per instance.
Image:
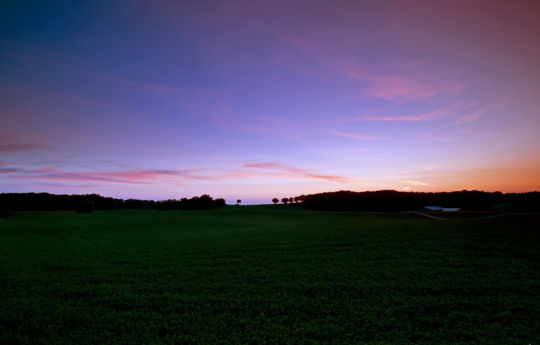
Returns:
(271, 166)
(357, 136)
(402, 85)
(188, 95)
(274, 170)
(479, 132)
(415, 183)
(504, 101)
(475, 115)
(399, 87)
(438, 138)
(13, 147)
(71, 186)
(127, 176)
(104, 77)
(427, 116)
(15, 170)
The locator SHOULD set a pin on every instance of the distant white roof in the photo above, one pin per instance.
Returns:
(443, 209)
(434, 208)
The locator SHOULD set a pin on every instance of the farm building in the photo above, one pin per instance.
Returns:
(441, 209)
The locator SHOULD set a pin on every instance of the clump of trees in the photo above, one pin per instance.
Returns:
(204, 202)
(85, 206)
(90, 202)
(391, 200)
(290, 200)
(138, 204)
(4, 213)
(55, 202)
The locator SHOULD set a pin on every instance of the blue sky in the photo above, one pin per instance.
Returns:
(252, 100)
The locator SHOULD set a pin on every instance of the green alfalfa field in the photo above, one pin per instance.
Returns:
(268, 275)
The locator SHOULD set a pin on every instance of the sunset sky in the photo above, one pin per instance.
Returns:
(258, 99)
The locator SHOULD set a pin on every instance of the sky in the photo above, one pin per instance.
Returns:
(253, 100)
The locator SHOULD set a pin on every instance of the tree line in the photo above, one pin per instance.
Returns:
(203, 202)
(290, 200)
(391, 200)
(10, 202)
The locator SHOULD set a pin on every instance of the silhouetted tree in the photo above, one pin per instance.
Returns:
(291, 199)
(205, 202)
(85, 206)
(238, 202)
(275, 200)
(285, 200)
(219, 203)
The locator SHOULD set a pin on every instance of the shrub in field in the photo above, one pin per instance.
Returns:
(84, 206)
(4, 213)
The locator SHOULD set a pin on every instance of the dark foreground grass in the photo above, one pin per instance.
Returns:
(275, 275)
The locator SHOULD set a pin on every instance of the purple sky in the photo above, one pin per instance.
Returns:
(262, 99)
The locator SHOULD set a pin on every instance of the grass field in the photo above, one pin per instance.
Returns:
(267, 275)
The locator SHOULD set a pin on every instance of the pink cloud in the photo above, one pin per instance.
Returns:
(308, 50)
(84, 177)
(471, 116)
(331, 178)
(396, 87)
(400, 87)
(286, 175)
(297, 47)
(129, 177)
(505, 100)
(415, 183)
(273, 170)
(153, 174)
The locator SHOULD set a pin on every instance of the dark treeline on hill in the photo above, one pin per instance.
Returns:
(90, 202)
(204, 202)
(391, 200)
